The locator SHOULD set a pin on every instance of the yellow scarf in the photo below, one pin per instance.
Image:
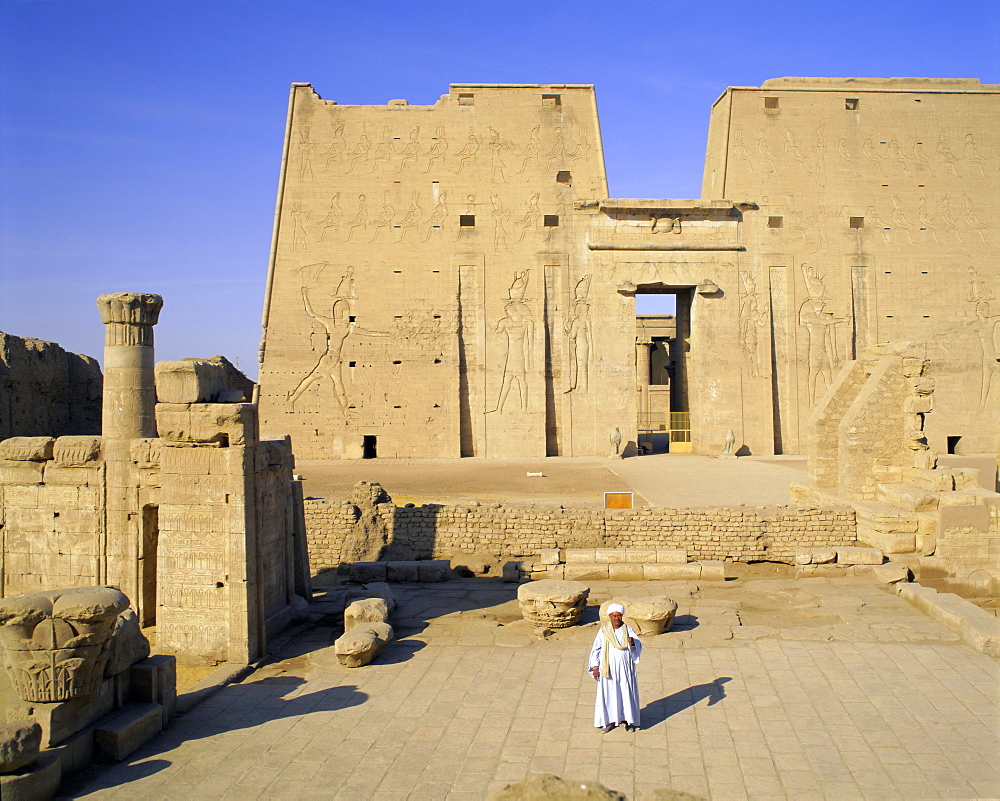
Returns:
(610, 638)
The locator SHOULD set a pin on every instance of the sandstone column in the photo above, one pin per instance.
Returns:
(129, 389)
(642, 363)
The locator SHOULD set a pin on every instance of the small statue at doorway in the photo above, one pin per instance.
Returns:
(729, 449)
(616, 443)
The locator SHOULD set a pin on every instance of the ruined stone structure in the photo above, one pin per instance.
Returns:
(180, 504)
(453, 279)
(47, 390)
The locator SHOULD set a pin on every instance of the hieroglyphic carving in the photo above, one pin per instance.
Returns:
(579, 337)
(531, 150)
(944, 153)
(360, 219)
(383, 150)
(412, 216)
(497, 166)
(384, 220)
(439, 146)
(764, 151)
(824, 355)
(360, 152)
(899, 218)
(793, 153)
(869, 152)
(582, 149)
(740, 149)
(517, 327)
(299, 215)
(972, 220)
(896, 154)
(410, 151)
(557, 153)
(306, 148)
(338, 145)
(973, 155)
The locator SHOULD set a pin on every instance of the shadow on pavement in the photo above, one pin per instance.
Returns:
(658, 711)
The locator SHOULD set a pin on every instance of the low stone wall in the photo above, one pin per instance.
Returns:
(742, 534)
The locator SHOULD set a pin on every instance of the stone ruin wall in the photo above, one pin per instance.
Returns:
(742, 534)
(47, 391)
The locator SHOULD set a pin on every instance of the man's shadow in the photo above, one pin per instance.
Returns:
(658, 711)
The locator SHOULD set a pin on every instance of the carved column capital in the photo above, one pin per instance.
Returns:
(129, 317)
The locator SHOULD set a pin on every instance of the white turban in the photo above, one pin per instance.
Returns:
(616, 608)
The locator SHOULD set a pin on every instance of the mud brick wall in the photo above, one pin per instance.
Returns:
(742, 534)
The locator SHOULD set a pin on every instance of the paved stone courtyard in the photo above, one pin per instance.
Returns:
(766, 688)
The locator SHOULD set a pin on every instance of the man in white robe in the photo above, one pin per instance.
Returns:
(612, 663)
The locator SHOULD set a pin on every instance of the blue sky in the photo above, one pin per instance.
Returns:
(140, 140)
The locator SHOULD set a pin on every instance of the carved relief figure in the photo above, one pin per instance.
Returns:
(579, 337)
(765, 153)
(924, 217)
(411, 217)
(869, 152)
(530, 218)
(499, 232)
(439, 146)
(740, 149)
(360, 219)
(899, 218)
(821, 325)
(408, 155)
(384, 220)
(557, 153)
(581, 150)
(497, 146)
(897, 154)
(517, 326)
(335, 153)
(921, 158)
(437, 215)
(973, 155)
(299, 216)
(467, 153)
(973, 220)
(530, 152)
(360, 152)
(383, 150)
(306, 148)
(984, 323)
(330, 224)
(752, 317)
(338, 326)
(944, 153)
(792, 151)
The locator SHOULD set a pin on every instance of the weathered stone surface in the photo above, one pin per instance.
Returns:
(586, 572)
(57, 643)
(625, 572)
(189, 381)
(365, 610)
(360, 645)
(375, 589)
(27, 449)
(549, 556)
(154, 680)
(549, 787)
(433, 570)
(580, 556)
(713, 570)
(365, 572)
(669, 572)
(402, 572)
(45, 390)
(815, 556)
(648, 616)
(551, 603)
(128, 644)
(204, 423)
(20, 741)
(37, 782)
(671, 556)
(476, 563)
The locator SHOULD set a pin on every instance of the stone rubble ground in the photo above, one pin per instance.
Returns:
(765, 688)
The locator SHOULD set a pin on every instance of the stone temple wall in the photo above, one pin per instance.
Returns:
(742, 534)
(47, 391)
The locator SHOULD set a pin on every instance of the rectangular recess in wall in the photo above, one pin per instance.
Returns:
(550, 220)
(775, 222)
(467, 220)
(770, 102)
(552, 101)
(466, 99)
(857, 222)
(851, 103)
(564, 177)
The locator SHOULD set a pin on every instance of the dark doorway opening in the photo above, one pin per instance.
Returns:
(953, 444)
(147, 566)
(663, 333)
(369, 447)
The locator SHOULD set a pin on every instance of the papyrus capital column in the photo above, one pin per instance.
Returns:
(642, 360)
(129, 388)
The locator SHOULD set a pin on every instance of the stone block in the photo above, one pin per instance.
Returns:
(609, 556)
(886, 541)
(968, 477)
(552, 604)
(154, 680)
(359, 646)
(76, 451)
(557, 572)
(433, 570)
(671, 556)
(365, 572)
(549, 556)
(859, 556)
(189, 381)
(380, 589)
(976, 517)
(20, 741)
(36, 782)
(365, 610)
(580, 556)
(980, 630)
(511, 572)
(27, 449)
(221, 424)
(402, 572)
(131, 728)
(647, 616)
(912, 499)
(585, 572)
(640, 556)
(891, 573)
(666, 572)
(815, 556)
(713, 570)
(625, 572)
